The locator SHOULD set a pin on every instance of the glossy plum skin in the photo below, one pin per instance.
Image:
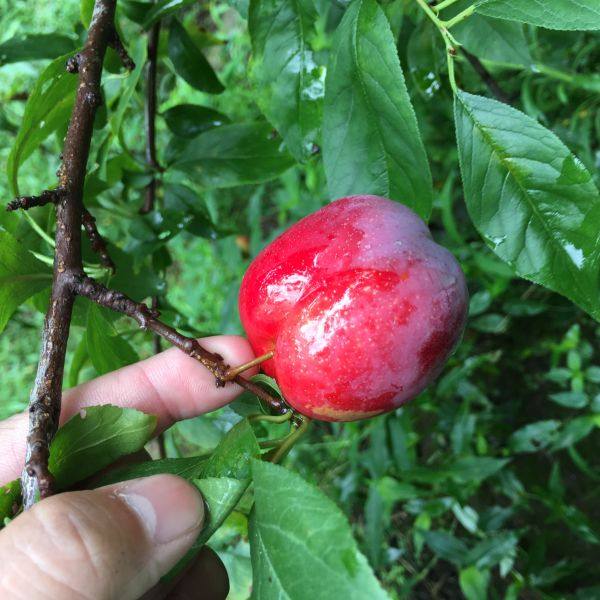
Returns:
(361, 307)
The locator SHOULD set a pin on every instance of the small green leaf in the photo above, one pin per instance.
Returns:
(21, 276)
(48, 108)
(190, 64)
(35, 47)
(301, 543)
(570, 399)
(107, 350)
(446, 546)
(190, 120)
(289, 84)
(164, 8)
(553, 14)
(233, 155)
(535, 436)
(371, 142)
(94, 438)
(136, 11)
(533, 202)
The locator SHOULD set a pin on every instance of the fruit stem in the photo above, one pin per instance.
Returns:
(272, 418)
(289, 441)
(233, 373)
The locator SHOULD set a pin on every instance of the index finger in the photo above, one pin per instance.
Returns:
(171, 385)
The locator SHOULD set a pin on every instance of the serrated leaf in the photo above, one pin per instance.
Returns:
(94, 438)
(107, 350)
(533, 202)
(190, 120)
(371, 142)
(289, 84)
(553, 14)
(34, 46)
(48, 108)
(233, 155)
(190, 64)
(21, 276)
(301, 544)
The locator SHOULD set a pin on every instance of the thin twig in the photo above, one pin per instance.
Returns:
(117, 45)
(26, 202)
(96, 240)
(148, 320)
(486, 77)
(45, 399)
(150, 118)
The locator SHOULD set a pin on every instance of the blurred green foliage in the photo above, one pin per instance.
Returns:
(485, 486)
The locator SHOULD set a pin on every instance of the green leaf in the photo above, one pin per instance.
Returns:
(34, 47)
(371, 142)
(533, 202)
(301, 543)
(535, 436)
(107, 350)
(446, 546)
(136, 11)
(10, 500)
(491, 39)
(232, 456)
(190, 64)
(233, 155)
(474, 583)
(94, 438)
(553, 14)
(570, 399)
(21, 276)
(48, 108)
(189, 468)
(129, 84)
(289, 84)
(492, 550)
(163, 9)
(190, 120)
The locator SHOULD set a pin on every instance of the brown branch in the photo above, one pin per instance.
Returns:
(486, 77)
(150, 192)
(45, 398)
(25, 202)
(96, 240)
(148, 320)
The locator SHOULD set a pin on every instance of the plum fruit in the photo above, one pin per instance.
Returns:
(359, 305)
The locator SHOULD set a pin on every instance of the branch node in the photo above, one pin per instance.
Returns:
(117, 45)
(73, 64)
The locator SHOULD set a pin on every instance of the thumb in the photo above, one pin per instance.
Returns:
(113, 542)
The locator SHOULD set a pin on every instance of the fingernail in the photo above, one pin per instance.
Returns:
(167, 506)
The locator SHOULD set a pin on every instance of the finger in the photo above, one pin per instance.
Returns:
(113, 542)
(206, 572)
(171, 385)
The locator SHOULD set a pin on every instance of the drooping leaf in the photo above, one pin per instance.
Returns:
(301, 543)
(189, 62)
(446, 546)
(553, 14)
(94, 438)
(107, 350)
(21, 276)
(371, 142)
(190, 120)
(533, 202)
(48, 109)
(289, 84)
(34, 46)
(234, 155)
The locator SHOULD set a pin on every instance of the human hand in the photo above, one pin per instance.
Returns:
(117, 541)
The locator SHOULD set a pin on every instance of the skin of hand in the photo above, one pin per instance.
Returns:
(118, 541)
